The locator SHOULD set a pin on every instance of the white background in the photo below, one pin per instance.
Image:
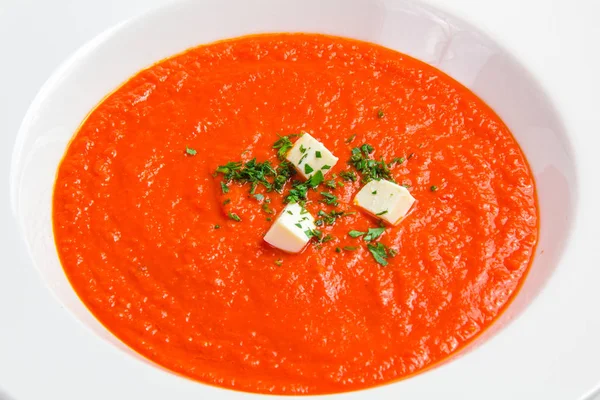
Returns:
(558, 41)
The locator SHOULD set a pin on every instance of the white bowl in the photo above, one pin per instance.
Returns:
(429, 35)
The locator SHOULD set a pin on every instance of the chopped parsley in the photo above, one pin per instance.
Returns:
(289, 212)
(234, 217)
(348, 176)
(329, 198)
(224, 188)
(217, 226)
(302, 149)
(327, 238)
(397, 160)
(315, 180)
(257, 173)
(299, 190)
(331, 184)
(355, 234)
(259, 197)
(382, 213)
(189, 151)
(411, 155)
(226, 201)
(374, 233)
(314, 233)
(350, 248)
(392, 252)
(279, 262)
(369, 168)
(265, 207)
(297, 193)
(328, 218)
(302, 158)
(351, 138)
(374, 192)
(433, 188)
(284, 172)
(380, 113)
(379, 252)
(283, 146)
(318, 235)
(326, 167)
(318, 154)
(308, 169)
(298, 225)
(252, 172)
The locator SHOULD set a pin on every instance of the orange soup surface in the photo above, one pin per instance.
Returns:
(169, 255)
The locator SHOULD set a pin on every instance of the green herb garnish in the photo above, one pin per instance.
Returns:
(433, 188)
(284, 171)
(302, 149)
(308, 169)
(328, 218)
(331, 184)
(226, 201)
(355, 234)
(350, 248)
(351, 138)
(217, 226)
(234, 217)
(257, 173)
(374, 233)
(379, 252)
(314, 233)
(330, 199)
(259, 197)
(382, 213)
(397, 160)
(224, 188)
(299, 190)
(369, 168)
(279, 262)
(327, 238)
(318, 154)
(265, 207)
(302, 158)
(189, 151)
(338, 250)
(380, 114)
(374, 192)
(283, 146)
(348, 176)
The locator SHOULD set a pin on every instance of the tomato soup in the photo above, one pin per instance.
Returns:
(168, 252)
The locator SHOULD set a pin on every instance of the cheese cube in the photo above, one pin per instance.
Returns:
(288, 231)
(309, 156)
(386, 200)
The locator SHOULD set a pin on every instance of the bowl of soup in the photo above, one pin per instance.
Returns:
(318, 200)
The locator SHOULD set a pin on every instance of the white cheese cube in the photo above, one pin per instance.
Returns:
(386, 200)
(309, 156)
(288, 231)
